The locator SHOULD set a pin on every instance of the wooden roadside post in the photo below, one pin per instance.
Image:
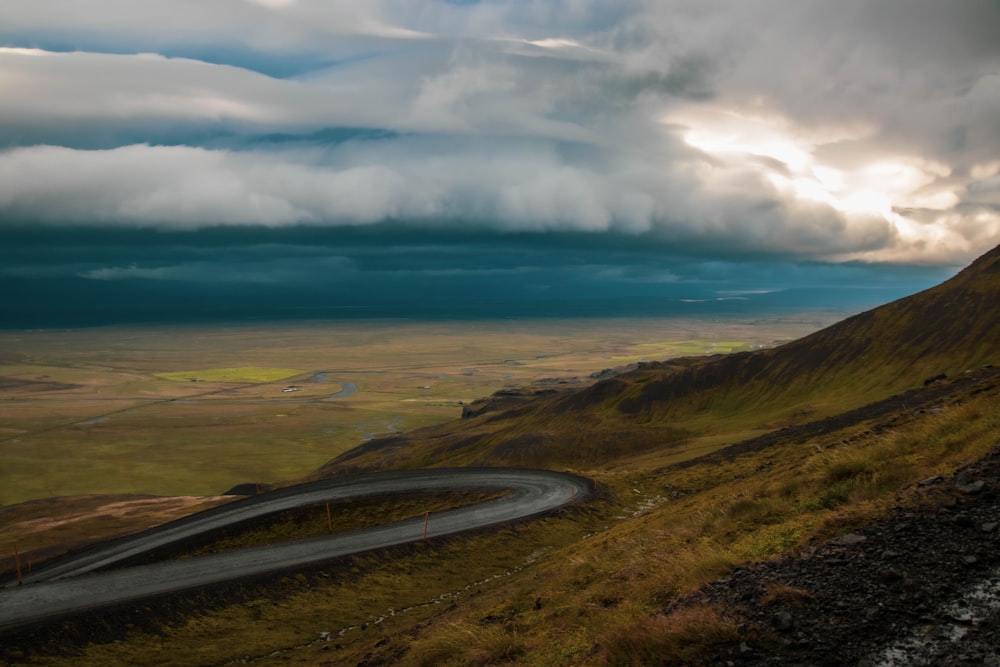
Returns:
(427, 518)
(329, 519)
(17, 564)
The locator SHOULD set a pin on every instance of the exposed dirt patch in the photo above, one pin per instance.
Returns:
(48, 527)
(153, 509)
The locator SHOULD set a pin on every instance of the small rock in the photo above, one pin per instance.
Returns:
(972, 487)
(783, 621)
(936, 479)
(745, 649)
(964, 618)
(890, 575)
(963, 478)
(849, 539)
(970, 560)
(989, 527)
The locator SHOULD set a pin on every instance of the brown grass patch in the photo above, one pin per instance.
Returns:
(778, 592)
(680, 637)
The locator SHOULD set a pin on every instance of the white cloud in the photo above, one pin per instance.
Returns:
(93, 87)
(271, 25)
(862, 130)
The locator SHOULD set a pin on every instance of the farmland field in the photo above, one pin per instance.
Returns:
(252, 374)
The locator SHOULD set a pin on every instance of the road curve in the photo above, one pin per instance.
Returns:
(83, 581)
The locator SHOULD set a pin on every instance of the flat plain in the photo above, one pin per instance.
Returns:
(195, 410)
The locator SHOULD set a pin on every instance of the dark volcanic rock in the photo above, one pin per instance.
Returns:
(919, 587)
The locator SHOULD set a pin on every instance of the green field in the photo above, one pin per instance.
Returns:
(235, 374)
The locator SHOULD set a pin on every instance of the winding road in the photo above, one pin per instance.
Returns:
(86, 582)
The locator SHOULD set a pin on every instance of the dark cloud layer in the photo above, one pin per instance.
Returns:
(528, 147)
(93, 276)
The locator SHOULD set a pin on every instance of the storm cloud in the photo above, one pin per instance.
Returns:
(814, 132)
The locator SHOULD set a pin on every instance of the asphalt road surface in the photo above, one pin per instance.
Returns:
(84, 581)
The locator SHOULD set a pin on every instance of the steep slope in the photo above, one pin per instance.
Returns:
(944, 330)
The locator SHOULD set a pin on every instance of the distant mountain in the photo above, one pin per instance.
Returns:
(941, 331)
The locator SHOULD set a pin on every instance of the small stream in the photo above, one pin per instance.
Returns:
(347, 389)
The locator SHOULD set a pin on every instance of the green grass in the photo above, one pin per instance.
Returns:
(235, 374)
(587, 587)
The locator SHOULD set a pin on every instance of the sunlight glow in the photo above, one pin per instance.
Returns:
(17, 51)
(981, 172)
(782, 150)
(859, 184)
(272, 4)
(554, 43)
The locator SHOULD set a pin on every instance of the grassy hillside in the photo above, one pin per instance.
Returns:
(595, 585)
(685, 407)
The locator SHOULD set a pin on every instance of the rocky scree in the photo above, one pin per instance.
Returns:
(919, 587)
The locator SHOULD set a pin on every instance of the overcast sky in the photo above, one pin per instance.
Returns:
(509, 144)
